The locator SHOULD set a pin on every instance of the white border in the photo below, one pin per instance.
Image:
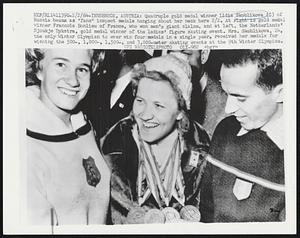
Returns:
(17, 22)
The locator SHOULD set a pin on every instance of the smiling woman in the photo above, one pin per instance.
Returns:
(156, 153)
(67, 177)
(65, 79)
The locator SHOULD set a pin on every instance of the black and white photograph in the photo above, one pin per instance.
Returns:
(151, 159)
(116, 138)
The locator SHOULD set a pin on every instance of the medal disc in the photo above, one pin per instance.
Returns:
(136, 216)
(154, 216)
(181, 221)
(171, 214)
(190, 213)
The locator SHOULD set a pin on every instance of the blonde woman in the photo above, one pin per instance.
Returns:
(158, 171)
(68, 179)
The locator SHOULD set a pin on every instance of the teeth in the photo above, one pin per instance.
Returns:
(68, 92)
(150, 125)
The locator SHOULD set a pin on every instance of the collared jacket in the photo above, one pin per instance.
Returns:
(96, 105)
(121, 152)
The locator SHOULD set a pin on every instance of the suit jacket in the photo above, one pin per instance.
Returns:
(207, 106)
(96, 105)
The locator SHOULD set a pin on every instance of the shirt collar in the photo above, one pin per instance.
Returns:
(203, 81)
(274, 130)
(120, 86)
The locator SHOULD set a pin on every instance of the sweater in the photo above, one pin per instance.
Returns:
(67, 177)
(239, 200)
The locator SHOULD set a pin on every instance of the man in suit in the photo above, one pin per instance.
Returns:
(207, 98)
(110, 97)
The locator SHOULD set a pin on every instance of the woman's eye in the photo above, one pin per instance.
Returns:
(83, 70)
(138, 100)
(241, 99)
(60, 65)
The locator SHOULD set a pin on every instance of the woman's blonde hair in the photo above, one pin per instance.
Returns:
(139, 71)
(33, 56)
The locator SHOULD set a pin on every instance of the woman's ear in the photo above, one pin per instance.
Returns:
(39, 75)
(278, 93)
(179, 116)
(204, 55)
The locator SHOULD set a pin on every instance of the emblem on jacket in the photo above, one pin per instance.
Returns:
(93, 175)
(194, 158)
(242, 189)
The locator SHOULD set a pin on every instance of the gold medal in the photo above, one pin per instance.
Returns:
(154, 216)
(171, 214)
(190, 213)
(136, 216)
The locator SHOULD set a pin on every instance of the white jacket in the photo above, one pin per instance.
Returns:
(58, 190)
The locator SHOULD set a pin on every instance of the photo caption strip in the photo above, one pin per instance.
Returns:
(192, 30)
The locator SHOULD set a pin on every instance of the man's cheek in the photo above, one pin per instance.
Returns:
(86, 85)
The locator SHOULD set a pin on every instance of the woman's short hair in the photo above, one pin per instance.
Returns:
(139, 71)
(33, 56)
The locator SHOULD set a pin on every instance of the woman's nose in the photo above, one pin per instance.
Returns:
(73, 79)
(146, 113)
(231, 106)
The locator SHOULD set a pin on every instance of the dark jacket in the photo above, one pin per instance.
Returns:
(253, 153)
(96, 105)
(122, 155)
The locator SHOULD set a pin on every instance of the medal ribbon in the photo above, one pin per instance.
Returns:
(148, 169)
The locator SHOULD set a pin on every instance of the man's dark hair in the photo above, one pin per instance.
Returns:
(114, 60)
(269, 63)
